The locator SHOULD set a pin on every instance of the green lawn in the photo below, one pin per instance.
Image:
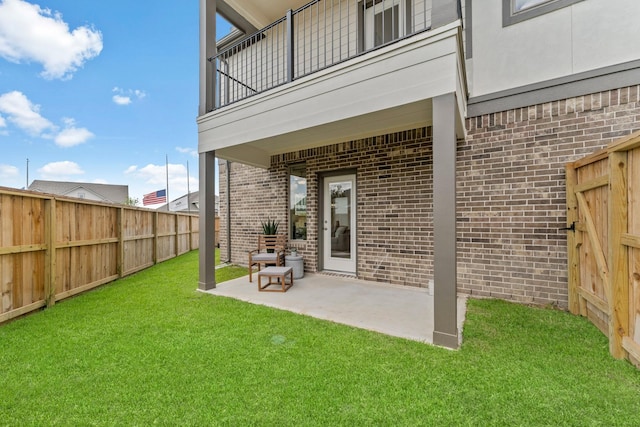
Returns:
(150, 349)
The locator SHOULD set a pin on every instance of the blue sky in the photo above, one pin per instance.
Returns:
(100, 92)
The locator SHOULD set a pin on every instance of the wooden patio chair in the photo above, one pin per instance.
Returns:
(270, 252)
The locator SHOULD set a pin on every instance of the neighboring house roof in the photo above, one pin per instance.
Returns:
(102, 192)
(182, 205)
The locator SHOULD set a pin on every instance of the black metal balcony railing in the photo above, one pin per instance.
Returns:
(316, 36)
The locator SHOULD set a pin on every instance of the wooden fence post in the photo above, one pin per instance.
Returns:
(190, 233)
(572, 250)
(155, 237)
(120, 255)
(50, 284)
(176, 221)
(618, 258)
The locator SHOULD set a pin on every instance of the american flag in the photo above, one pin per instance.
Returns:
(154, 198)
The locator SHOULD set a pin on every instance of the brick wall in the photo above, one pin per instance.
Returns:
(394, 203)
(256, 195)
(511, 196)
(511, 191)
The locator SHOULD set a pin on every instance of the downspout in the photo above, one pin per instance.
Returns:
(228, 211)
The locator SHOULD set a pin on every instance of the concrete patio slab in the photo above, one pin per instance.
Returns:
(394, 310)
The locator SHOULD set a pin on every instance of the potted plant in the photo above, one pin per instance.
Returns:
(294, 251)
(270, 226)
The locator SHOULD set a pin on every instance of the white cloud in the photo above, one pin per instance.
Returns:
(157, 174)
(131, 169)
(121, 100)
(26, 116)
(8, 171)
(126, 96)
(60, 171)
(31, 33)
(71, 135)
(23, 113)
(185, 150)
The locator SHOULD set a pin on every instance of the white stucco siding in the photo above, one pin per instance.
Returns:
(520, 54)
(588, 35)
(605, 33)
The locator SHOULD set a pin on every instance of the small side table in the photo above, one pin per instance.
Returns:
(297, 263)
(280, 274)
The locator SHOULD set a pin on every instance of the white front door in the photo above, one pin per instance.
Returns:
(339, 223)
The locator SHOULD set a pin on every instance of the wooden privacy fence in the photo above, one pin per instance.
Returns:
(53, 247)
(603, 202)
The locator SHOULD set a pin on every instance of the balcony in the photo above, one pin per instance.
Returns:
(314, 37)
(331, 71)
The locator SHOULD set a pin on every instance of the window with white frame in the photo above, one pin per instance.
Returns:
(384, 21)
(514, 11)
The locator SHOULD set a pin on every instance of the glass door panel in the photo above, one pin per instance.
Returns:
(339, 223)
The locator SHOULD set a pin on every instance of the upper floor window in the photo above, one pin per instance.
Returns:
(384, 21)
(520, 5)
(514, 11)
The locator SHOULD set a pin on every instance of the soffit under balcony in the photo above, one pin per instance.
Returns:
(258, 153)
(262, 13)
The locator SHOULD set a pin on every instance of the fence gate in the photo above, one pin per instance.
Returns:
(603, 216)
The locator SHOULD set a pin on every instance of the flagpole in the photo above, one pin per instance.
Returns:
(188, 190)
(167, 168)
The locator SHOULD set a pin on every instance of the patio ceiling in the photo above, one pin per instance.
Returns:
(258, 153)
(261, 13)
